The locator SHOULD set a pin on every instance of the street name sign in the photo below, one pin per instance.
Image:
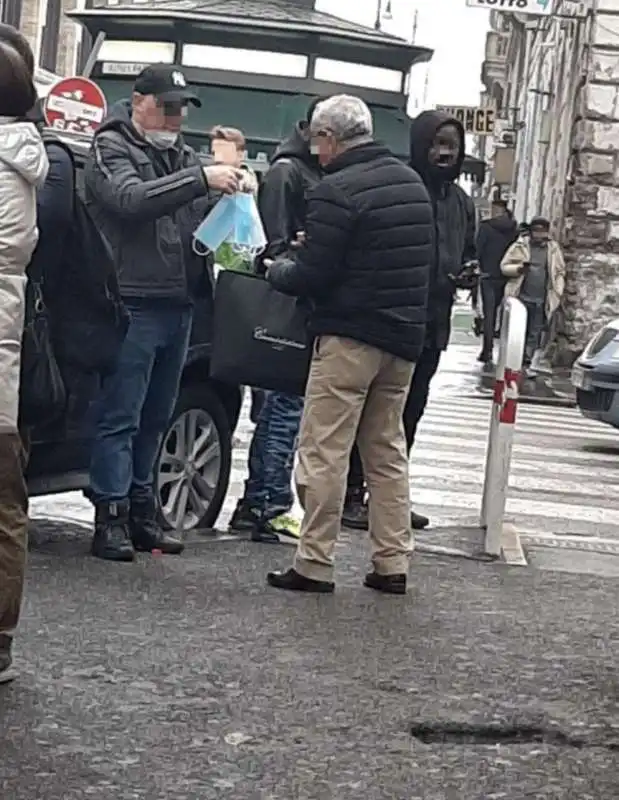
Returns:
(75, 104)
(539, 7)
(476, 121)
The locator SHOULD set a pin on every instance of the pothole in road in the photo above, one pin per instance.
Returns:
(488, 735)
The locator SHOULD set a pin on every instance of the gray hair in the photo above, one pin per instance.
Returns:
(348, 118)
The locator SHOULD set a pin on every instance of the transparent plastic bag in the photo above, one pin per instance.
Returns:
(236, 220)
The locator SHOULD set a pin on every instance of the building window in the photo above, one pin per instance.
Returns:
(137, 52)
(48, 53)
(232, 59)
(11, 12)
(362, 75)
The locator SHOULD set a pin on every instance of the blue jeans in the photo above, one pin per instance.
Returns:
(268, 488)
(137, 402)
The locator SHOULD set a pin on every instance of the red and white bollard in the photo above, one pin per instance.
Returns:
(502, 422)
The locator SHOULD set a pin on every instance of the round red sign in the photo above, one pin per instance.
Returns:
(75, 104)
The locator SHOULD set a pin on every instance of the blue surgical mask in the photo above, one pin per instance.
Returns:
(162, 140)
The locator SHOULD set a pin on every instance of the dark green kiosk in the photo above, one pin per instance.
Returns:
(255, 64)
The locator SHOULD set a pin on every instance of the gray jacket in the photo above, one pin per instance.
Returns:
(147, 203)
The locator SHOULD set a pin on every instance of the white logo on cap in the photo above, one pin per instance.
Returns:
(178, 79)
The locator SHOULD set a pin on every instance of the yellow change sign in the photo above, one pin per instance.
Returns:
(476, 121)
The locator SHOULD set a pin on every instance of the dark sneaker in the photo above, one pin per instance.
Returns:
(146, 533)
(111, 540)
(388, 584)
(418, 521)
(292, 581)
(244, 519)
(484, 357)
(356, 517)
(7, 672)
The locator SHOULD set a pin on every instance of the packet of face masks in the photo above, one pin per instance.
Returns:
(233, 231)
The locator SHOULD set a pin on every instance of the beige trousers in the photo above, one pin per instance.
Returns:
(13, 528)
(353, 387)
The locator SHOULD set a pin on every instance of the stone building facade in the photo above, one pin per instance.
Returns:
(561, 109)
(54, 38)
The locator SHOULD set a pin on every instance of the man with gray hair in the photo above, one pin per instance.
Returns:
(364, 265)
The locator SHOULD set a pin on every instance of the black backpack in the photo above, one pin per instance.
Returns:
(88, 319)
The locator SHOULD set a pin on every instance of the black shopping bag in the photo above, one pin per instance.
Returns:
(260, 335)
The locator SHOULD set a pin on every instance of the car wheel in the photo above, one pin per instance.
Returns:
(192, 472)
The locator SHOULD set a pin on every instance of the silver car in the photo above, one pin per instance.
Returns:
(595, 376)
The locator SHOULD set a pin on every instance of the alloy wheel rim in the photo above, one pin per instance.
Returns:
(189, 469)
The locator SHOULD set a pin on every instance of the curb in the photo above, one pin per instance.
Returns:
(559, 401)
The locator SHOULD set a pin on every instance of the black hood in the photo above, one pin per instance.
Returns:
(119, 119)
(504, 224)
(422, 132)
(296, 146)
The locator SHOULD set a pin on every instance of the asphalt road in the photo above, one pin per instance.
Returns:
(189, 679)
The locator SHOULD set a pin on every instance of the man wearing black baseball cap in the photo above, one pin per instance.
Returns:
(148, 192)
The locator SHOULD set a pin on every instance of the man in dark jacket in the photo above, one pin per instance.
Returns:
(264, 508)
(493, 240)
(437, 154)
(147, 192)
(364, 265)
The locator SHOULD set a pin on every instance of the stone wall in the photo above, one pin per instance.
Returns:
(67, 39)
(591, 231)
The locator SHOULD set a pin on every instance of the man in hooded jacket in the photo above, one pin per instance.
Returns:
(437, 149)
(264, 508)
(493, 240)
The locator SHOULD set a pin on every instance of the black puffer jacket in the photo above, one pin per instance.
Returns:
(147, 203)
(454, 219)
(366, 260)
(495, 236)
(293, 173)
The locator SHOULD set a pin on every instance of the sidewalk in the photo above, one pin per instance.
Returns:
(189, 679)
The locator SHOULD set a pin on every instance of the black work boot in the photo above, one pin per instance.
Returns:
(146, 533)
(245, 518)
(111, 540)
(7, 672)
(355, 514)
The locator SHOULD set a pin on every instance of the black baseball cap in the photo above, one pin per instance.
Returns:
(167, 82)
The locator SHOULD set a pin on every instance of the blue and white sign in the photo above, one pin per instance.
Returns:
(539, 7)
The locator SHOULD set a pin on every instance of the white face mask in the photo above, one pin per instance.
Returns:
(162, 140)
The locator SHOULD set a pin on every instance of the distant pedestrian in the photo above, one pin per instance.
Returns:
(535, 271)
(495, 236)
(364, 264)
(23, 167)
(264, 510)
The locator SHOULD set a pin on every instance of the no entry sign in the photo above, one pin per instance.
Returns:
(76, 105)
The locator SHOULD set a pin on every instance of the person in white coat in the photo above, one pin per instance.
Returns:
(23, 168)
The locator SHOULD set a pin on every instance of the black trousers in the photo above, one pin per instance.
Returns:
(416, 403)
(492, 292)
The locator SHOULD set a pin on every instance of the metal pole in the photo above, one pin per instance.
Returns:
(379, 15)
(93, 55)
(502, 422)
